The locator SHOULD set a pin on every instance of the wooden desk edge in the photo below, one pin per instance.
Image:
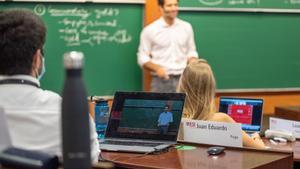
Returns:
(240, 148)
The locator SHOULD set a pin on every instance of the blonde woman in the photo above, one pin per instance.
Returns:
(198, 82)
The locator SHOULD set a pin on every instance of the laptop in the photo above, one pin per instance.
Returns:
(247, 111)
(143, 122)
(5, 140)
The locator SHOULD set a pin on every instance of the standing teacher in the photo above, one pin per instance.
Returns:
(166, 46)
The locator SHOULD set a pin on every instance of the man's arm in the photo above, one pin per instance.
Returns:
(144, 53)
(158, 70)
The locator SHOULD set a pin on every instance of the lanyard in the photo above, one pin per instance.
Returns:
(18, 81)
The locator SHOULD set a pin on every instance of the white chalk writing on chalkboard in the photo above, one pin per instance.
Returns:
(211, 2)
(78, 26)
(294, 1)
(240, 2)
(229, 2)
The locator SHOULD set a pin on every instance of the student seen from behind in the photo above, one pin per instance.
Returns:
(33, 114)
(198, 82)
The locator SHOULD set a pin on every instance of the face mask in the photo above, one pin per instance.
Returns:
(42, 70)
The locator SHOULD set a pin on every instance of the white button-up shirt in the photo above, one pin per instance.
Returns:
(34, 117)
(169, 46)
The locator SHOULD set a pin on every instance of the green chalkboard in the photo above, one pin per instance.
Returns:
(269, 4)
(249, 50)
(107, 34)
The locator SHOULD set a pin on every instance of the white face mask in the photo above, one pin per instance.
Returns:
(43, 70)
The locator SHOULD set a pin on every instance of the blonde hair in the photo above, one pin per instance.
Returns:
(198, 83)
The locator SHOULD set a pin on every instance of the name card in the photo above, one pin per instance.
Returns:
(208, 132)
(287, 125)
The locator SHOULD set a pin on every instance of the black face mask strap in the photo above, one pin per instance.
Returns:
(18, 81)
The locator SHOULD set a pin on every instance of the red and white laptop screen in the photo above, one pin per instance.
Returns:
(246, 111)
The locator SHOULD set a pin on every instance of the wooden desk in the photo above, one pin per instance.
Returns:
(198, 158)
(283, 112)
(288, 112)
(290, 146)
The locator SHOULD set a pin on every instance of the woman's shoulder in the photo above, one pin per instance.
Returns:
(222, 117)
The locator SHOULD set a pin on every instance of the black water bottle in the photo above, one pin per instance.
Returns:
(75, 117)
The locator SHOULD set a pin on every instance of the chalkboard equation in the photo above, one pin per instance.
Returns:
(80, 26)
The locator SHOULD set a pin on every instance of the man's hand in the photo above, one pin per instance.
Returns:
(161, 73)
(192, 59)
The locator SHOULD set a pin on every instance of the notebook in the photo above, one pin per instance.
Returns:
(5, 140)
(143, 122)
(247, 111)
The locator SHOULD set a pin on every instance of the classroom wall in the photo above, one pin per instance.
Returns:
(272, 99)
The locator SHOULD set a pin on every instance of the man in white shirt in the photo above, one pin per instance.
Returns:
(166, 47)
(33, 114)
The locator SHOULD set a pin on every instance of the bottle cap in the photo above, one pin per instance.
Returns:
(73, 60)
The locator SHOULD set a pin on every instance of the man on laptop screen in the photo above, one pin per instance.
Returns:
(141, 119)
(246, 111)
(164, 120)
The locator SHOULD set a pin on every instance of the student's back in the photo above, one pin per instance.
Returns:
(198, 82)
(33, 114)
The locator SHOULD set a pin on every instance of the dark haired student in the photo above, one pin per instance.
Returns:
(33, 114)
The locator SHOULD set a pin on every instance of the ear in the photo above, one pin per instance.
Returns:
(161, 9)
(36, 62)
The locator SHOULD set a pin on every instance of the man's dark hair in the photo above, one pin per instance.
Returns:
(22, 33)
(162, 2)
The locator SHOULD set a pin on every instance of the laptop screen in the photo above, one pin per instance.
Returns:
(144, 115)
(246, 111)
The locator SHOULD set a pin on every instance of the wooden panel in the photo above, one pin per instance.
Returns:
(151, 11)
(288, 112)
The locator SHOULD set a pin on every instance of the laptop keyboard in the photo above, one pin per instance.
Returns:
(131, 143)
